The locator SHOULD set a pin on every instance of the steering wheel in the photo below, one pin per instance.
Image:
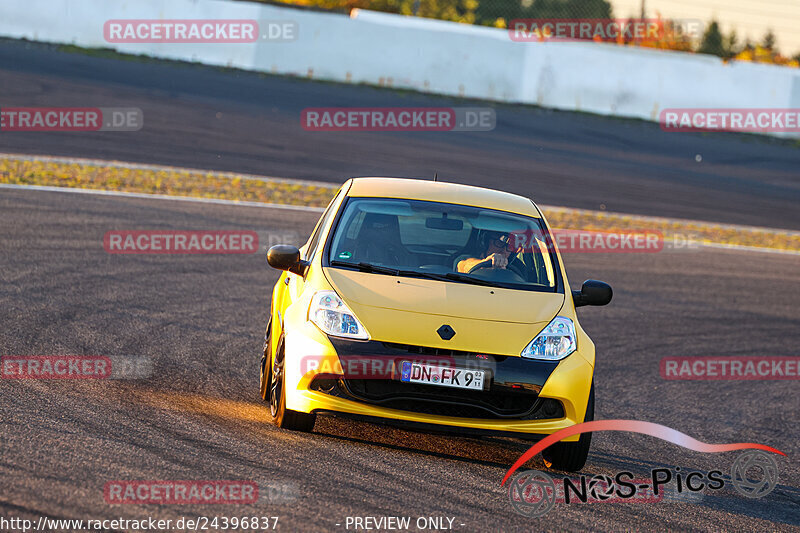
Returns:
(483, 264)
(511, 266)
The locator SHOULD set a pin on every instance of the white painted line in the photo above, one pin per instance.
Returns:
(743, 248)
(333, 186)
(163, 197)
(142, 166)
(665, 220)
(733, 247)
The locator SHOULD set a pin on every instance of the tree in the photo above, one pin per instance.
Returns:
(489, 11)
(712, 41)
(769, 40)
(570, 9)
(455, 10)
(731, 45)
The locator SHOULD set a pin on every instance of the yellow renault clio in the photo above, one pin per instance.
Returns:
(433, 305)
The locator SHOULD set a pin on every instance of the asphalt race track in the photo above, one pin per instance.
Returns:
(200, 320)
(206, 118)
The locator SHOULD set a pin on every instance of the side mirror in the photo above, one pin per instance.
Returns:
(592, 292)
(287, 257)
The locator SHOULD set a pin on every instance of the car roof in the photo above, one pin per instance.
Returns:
(441, 191)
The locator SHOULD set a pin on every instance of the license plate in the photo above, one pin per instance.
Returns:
(444, 376)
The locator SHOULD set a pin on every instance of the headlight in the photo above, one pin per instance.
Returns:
(332, 316)
(554, 342)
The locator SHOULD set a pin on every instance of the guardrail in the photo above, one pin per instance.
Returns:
(428, 55)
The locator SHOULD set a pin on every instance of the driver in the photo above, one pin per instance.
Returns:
(495, 256)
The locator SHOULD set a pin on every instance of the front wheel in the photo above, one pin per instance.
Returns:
(571, 456)
(281, 416)
(263, 374)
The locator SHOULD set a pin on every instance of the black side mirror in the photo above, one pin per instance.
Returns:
(592, 292)
(287, 257)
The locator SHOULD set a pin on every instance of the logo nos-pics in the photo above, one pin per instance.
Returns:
(754, 473)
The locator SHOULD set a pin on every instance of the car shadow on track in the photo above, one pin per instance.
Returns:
(488, 451)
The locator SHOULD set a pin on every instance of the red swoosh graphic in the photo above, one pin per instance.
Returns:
(634, 426)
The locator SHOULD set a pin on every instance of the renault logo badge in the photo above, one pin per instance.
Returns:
(446, 332)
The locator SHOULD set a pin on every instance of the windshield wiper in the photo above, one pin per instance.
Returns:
(450, 276)
(368, 267)
(469, 279)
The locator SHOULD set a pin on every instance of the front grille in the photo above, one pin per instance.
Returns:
(429, 399)
(438, 352)
(512, 384)
(423, 350)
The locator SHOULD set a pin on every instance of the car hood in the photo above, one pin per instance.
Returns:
(411, 310)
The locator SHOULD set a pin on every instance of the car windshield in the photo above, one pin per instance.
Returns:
(443, 241)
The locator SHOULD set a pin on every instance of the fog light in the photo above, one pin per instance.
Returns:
(552, 408)
(324, 383)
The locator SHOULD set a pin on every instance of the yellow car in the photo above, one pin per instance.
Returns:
(438, 306)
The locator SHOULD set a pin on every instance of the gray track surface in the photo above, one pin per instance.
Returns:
(200, 318)
(205, 118)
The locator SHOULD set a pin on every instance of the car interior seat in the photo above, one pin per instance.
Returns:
(379, 241)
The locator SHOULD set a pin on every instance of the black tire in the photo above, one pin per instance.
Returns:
(571, 456)
(263, 374)
(281, 416)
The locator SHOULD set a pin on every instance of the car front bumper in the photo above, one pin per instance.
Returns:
(523, 397)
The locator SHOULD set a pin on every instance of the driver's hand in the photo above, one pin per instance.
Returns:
(498, 260)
